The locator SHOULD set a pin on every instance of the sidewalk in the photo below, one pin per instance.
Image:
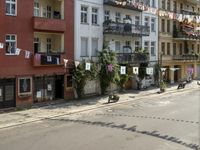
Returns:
(38, 113)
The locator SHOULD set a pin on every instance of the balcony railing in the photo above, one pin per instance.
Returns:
(133, 58)
(110, 27)
(186, 35)
(186, 57)
(47, 24)
(126, 5)
(47, 59)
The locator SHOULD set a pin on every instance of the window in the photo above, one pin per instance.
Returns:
(153, 49)
(163, 25)
(128, 43)
(84, 14)
(163, 48)
(48, 11)
(163, 4)
(146, 46)
(168, 48)
(36, 8)
(11, 44)
(146, 21)
(168, 5)
(181, 7)
(192, 47)
(84, 46)
(117, 46)
(137, 45)
(94, 16)
(25, 86)
(137, 20)
(36, 44)
(153, 4)
(106, 15)
(168, 26)
(11, 7)
(174, 6)
(94, 46)
(153, 26)
(49, 45)
(181, 49)
(147, 2)
(117, 17)
(174, 48)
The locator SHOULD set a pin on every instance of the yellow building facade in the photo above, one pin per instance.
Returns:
(179, 40)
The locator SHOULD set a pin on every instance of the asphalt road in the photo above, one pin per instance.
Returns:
(169, 122)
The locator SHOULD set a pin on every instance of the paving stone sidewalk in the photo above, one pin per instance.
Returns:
(37, 113)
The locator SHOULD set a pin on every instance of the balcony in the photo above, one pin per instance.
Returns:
(119, 4)
(133, 58)
(47, 59)
(186, 57)
(48, 24)
(125, 29)
(186, 32)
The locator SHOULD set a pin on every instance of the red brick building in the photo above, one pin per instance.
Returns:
(37, 37)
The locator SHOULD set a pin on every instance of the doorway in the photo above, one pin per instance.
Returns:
(7, 93)
(59, 87)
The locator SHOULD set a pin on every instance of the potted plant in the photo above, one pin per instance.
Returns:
(162, 86)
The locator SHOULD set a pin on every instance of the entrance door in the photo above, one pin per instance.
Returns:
(7, 93)
(59, 87)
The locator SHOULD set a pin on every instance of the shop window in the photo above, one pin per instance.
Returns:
(25, 86)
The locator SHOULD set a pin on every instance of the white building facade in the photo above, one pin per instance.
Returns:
(88, 28)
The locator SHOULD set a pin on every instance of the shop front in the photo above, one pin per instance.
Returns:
(48, 88)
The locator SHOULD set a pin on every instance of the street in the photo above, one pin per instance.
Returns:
(162, 122)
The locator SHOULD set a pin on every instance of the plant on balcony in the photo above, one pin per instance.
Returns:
(109, 70)
(80, 76)
(141, 55)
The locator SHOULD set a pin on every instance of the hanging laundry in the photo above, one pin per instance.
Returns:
(135, 70)
(123, 70)
(88, 66)
(65, 62)
(1, 45)
(27, 54)
(149, 71)
(17, 51)
(76, 63)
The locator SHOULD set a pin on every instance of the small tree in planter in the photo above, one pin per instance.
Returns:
(109, 70)
(80, 76)
(162, 86)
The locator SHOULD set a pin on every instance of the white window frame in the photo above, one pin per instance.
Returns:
(94, 51)
(11, 2)
(49, 11)
(146, 21)
(137, 47)
(36, 8)
(37, 41)
(117, 16)
(116, 48)
(25, 93)
(146, 46)
(137, 20)
(153, 24)
(153, 48)
(84, 14)
(11, 41)
(87, 41)
(106, 15)
(95, 16)
(49, 45)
